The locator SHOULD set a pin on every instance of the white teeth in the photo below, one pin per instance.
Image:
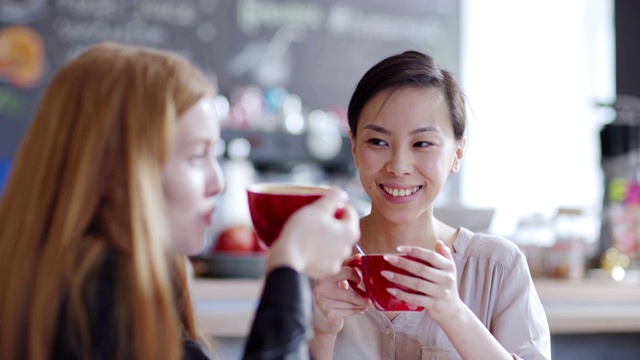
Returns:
(400, 192)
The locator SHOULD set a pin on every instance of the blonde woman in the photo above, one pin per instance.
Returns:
(114, 184)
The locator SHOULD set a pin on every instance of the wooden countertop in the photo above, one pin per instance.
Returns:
(590, 306)
(225, 307)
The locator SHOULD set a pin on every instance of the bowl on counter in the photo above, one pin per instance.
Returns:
(229, 264)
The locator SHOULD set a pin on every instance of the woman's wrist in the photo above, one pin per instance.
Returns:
(326, 331)
(283, 255)
(322, 345)
(457, 316)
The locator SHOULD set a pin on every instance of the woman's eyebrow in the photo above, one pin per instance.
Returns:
(196, 141)
(381, 129)
(422, 129)
(378, 129)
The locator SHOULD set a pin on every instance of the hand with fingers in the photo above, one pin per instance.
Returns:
(434, 280)
(314, 240)
(333, 302)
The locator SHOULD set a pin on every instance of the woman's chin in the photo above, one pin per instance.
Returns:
(189, 247)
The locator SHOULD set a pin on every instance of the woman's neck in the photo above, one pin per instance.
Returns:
(379, 235)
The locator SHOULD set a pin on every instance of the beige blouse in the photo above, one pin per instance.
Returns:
(493, 281)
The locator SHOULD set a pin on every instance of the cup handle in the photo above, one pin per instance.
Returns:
(356, 263)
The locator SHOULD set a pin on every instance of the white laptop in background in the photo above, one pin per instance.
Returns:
(474, 219)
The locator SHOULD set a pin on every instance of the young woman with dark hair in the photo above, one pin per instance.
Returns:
(408, 134)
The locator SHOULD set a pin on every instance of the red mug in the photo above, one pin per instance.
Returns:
(376, 285)
(271, 205)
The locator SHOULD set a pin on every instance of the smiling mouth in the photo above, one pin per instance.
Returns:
(395, 192)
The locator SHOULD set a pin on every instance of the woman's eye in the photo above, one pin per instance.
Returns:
(196, 158)
(422, 144)
(199, 155)
(376, 142)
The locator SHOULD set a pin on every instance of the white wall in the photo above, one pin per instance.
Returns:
(532, 71)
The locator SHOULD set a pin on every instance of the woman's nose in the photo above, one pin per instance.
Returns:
(215, 183)
(400, 163)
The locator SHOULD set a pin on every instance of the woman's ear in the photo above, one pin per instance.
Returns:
(353, 148)
(455, 167)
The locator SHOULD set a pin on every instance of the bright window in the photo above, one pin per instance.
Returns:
(533, 72)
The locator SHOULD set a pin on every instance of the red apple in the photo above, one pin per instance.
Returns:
(237, 238)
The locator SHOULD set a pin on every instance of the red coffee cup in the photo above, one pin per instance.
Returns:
(376, 285)
(270, 205)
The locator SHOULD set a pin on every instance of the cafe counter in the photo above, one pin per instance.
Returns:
(225, 307)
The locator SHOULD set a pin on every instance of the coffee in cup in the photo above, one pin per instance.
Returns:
(271, 205)
(376, 285)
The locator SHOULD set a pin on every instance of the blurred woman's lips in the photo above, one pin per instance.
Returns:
(208, 217)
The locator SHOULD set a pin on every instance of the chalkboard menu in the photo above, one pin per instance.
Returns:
(315, 49)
